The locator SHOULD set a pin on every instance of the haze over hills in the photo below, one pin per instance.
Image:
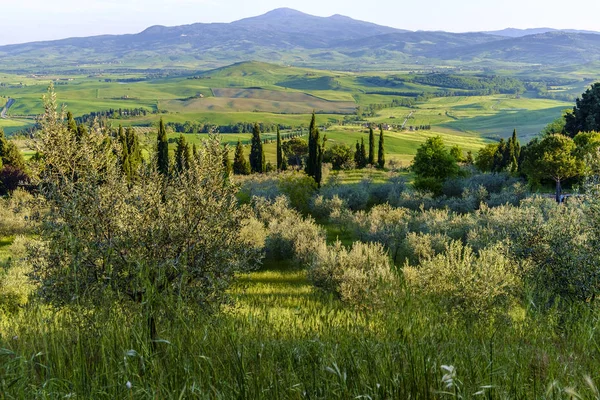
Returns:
(291, 37)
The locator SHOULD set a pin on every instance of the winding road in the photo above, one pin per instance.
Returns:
(8, 105)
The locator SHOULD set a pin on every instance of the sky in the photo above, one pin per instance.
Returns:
(34, 20)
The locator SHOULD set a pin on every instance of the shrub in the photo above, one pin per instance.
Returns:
(356, 196)
(478, 284)
(419, 247)
(299, 188)
(289, 235)
(385, 225)
(15, 286)
(361, 276)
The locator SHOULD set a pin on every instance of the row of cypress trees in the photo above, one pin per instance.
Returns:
(256, 162)
(360, 155)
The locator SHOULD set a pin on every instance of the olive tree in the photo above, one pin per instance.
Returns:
(155, 241)
(553, 157)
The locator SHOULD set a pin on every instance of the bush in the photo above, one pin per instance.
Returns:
(15, 214)
(356, 196)
(289, 235)
(361, 276)
(15, 285)
(385, 225)
(478, 284)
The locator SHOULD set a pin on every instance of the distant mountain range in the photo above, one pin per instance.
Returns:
(291, 37)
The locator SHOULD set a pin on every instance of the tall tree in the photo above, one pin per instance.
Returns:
(257, 155)
(315, 156)
(162, 149)
(125, 165)
(554, 157)
(357, 160)
(240, 164)
(433, 164)
(279, 151)
(586, 113)
(381, 149)
(71, 124)
(363, 154)
(371, 146)
(182, 154)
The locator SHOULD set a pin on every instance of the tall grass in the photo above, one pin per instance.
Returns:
(284, 339)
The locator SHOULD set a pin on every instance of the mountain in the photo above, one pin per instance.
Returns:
(548, 48)
(515, 33)
(291, 37)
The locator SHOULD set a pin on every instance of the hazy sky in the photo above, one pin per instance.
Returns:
(30, 20)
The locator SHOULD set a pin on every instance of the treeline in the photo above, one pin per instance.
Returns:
(114, 113)
(240, 127)
(488, 84)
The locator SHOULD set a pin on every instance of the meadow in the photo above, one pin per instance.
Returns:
(251, 92)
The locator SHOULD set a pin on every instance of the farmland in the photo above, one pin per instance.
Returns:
(273, 94)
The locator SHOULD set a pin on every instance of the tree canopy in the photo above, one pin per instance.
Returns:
(586, 113)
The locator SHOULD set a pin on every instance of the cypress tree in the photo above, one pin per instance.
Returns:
(381, 149)
(371, 146)
(133, 149)
(125, 165)
(240, 165)
(314, 162)
(357, 160)
(279, 151)
(182, 154)
(81, 131)
(257, 155)
(363, 153)
(162, 149)
(71, 124)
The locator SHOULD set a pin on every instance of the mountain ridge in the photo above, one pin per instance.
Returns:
(293, 37)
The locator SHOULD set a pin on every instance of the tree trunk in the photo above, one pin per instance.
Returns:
(558, 190)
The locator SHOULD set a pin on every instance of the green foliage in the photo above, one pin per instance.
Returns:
(183, 155)
(480, 284)
(457, 153)
(241, 166)
(381, 150)
(586, 113)
(553, 157)
(289, 235)
(361, 276)
(295, 152)
(143, 243)
(315, 152)
(279, 151)
(340, 156)
(485, 157)
(299, 189)
(257, 155)
(162, 149)
(371, 160)
(433, 164)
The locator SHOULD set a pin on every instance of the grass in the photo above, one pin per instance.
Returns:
(260, 92)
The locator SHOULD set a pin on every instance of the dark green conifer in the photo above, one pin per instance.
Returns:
(182, 154)
(371, 147)
(381, 150)
(240, 164)
(279, 151)
(162, 149)
(315, 160)
(71, 124)
(257, 155)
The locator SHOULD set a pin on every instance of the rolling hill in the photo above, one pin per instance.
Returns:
(290, 37)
